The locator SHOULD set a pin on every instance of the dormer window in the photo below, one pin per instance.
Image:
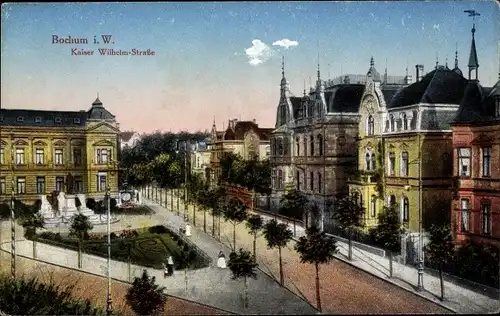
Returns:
(405, 121)
(20, 119)
(38, 119)
(391, 119)
(76, 121)
(57, 120)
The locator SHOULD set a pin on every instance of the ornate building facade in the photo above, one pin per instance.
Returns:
(200, 160)
(314, 145)
(40, 148)
(244, 138)
(475, 211)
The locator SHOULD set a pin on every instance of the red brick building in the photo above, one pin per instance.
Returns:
(476, 142)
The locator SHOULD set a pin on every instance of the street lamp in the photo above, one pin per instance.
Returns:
(109, 171)
(420, 267)
(12, 213)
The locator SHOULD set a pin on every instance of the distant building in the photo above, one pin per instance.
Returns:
(129, 139)
(245, 138)
(200, 160)
(475, 211)
(40, 148)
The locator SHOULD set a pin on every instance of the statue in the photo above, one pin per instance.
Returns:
(69, 183)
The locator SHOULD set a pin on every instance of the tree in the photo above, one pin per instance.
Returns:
(195, 187)
(388, 232)
(145, 297)
(242, 265)
(31, 222)
(277, 236)
(80, 227)
(256, 177)
(316, 248)
(440, 249)
(349, 215)
(293, 204)
(235, 213)
(254, 224)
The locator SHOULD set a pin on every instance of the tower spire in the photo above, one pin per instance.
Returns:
(283, 66)
(319, 76)
(304, 87)
(473, 62)
(456, 55)
(437, 60)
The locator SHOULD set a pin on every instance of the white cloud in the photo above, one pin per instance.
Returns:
(436, 27)
(286, 43)
(258, 53)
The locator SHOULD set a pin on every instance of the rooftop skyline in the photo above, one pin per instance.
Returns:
(223, 60)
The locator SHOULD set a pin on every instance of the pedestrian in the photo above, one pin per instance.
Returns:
(165, 270)
(188, 230)
(170, 265)
(221, 262)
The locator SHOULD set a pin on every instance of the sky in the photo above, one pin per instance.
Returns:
(223, 60)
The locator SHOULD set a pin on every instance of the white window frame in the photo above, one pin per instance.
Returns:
(40, 185)
(486, 161)
(485, 220)
(58, 156)
(101, 181)
(60, 183)
(404, 164)
(464, 160)
(39, 156)
(405, 208)
(78, 184)
(391, 161)
(3, 186)
(20, 156)
(373, 206)
(464, 210)
(21, 185)
(2, 156)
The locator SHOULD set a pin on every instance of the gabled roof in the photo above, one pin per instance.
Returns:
(478, 103)
(126, 136)
(440, 86)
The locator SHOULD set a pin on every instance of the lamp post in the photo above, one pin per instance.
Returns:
(111, 172)
(12, 213)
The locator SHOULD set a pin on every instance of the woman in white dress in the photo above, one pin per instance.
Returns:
(188, 230)
(221, 262)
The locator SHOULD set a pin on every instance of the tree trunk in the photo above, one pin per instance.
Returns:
(204, 220)
(213, 225)
(282, 282)
(390, 264)
(294, 229)
(254, 245)
(350, 244)
(234, 237)
(79, 254)
(34, 245)
(171, 200)
(441, 281)
(246, 293)
(178, 198)
(318, 297)
(194, 214)
(219, 227)
(186, 278)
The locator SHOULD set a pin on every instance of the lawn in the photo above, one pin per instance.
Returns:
(147, 247)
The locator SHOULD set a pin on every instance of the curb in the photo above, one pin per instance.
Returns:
(117, 280)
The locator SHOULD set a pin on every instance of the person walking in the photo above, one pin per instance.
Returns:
(170, 265)
(221, 262)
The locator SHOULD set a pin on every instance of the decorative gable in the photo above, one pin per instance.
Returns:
(102, 128)
(104, 143)
(482, 139)
(39, 143)
(59, 143)
(21, 142)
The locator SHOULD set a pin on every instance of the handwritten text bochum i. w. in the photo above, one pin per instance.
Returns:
(106, 39)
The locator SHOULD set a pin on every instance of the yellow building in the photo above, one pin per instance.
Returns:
(39, 149)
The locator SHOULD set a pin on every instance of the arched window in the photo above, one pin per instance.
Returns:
(404, 164)
(391, 119)
(286, 146)
(374, 162)
(297, 144)
(406, 210)
(320, 144)
(371, 126)
(392, 200)
(320, 183)
(280, 178)
(297, 179)
(305, 145)
(367, 162)
(280, 147)
(373, 206)
(311, 182)
(405, 121)
(311, 140)
(387, 125)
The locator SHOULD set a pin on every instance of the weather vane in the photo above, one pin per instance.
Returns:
(473, 14)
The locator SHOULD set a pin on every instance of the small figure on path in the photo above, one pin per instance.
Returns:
(221, 262)
(170, 266)
(188, 230)
(165, 270)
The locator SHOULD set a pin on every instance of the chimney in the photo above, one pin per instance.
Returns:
(420, 72)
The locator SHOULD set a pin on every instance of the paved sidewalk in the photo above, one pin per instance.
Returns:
(211, 286)
(345, 289)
